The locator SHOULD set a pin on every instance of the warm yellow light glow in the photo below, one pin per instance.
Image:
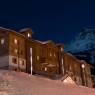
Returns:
(15, 41)
(29, 35)
(54, 55)
(2, 41)
(83, 65)
(45, 69)
(50, 54)
(20, 62)
(38, 58)
(15, 50)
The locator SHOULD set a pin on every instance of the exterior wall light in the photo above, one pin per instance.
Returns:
(83, 66)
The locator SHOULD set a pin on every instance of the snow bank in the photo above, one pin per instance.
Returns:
(23, 84)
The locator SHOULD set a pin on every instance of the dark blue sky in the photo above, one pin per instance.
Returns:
(58, 20)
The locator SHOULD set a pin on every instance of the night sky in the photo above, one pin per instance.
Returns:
(58, 20)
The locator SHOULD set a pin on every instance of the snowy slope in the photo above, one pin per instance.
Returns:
(17, 83)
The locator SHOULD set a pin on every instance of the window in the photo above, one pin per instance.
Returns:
(14, 60)
(50, 54)
(83, 66)
(45, 69)
(54, 55)
(21, 62)
(70, 68)
(61, 49)
(2, 41)
(29, 35)
(21, 52)
(38, 58)
(15, 41)
(15, 69)
(16, 51)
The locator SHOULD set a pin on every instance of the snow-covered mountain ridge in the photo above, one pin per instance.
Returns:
(85, 41)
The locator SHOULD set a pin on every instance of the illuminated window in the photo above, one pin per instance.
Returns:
(16, 51)
(61, 49)
(83, 65)
(38, 58)
(28, 35)
(45, 69)
(15, 41)
(50, 54)
(2, 41)
(70, 68)
(54, 55)
(21, 62)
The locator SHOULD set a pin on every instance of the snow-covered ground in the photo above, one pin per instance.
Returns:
(18, 83)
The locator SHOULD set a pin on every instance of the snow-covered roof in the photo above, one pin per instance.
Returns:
(10, 30)
(44, 42)
(2, 28)
(68, 80)
(80, 61)
(25, 29)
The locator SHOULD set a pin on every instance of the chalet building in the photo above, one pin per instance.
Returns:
(79, 70)
(21, 53)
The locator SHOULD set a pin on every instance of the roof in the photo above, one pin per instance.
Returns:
(25, 29)
(10, 30)
(68, 80)
(44, 42)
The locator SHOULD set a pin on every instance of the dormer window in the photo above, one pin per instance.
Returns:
(2, 41)
(61, 49)
(28, 35)
(15, 41)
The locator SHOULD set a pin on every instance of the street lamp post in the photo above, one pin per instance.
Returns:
(84, 77)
